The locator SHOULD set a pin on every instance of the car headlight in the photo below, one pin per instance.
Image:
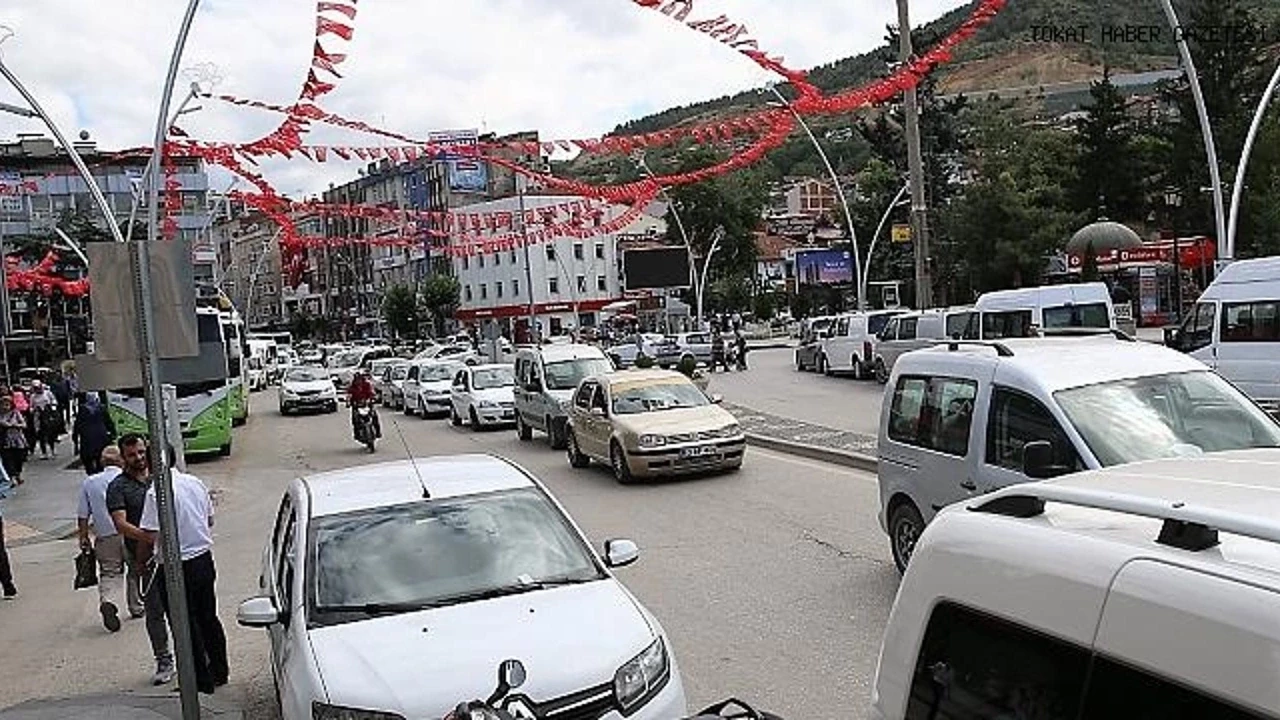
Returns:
(321, 711)
(285, 391)
(650, 441)
(637, 681)
(732, 430)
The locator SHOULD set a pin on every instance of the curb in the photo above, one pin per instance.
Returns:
(858, 461)
(62, 531)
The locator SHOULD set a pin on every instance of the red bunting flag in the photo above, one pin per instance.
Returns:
(347, 10)
(325, 26)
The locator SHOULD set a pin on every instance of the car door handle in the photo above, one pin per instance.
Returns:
(969, 485)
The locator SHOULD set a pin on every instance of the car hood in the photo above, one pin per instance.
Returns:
(669, 422)
(501, 394)
(421, 665)
(296, 387)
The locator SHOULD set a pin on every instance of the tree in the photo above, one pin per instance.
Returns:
(400, 309)
(1108, 168)
(302, 325)
(440, 295)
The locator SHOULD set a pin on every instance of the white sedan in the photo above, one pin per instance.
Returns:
(426, 390)
(307, 388)
(484, 395)
(395, 590)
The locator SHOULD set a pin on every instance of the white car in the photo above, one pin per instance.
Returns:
(483, 395)
(385, 604)
(257, 373)
(427, 389)
(307, 388)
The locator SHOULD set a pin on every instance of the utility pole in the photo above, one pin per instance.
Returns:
(528, 264)
(915, 166)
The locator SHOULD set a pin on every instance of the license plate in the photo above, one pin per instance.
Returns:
(699, 451)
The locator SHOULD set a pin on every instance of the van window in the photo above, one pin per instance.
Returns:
(842, 327)
(1017, 419)
(956, 324)
(933, 413)
(1197, 330)
(907, 328)
(890, 331)
(975, 666)
(1090, 315)
(1116, 690)
(876, 323)
(1010, 324)
(1251, 322)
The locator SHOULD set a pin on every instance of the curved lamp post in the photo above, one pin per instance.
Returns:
(897, 201)
(698, 279)
(1238, 188)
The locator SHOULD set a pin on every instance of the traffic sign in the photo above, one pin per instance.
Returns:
(901, 233)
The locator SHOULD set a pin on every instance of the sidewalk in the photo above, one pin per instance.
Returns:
(43, 509)
(796, 437)
(155, 705)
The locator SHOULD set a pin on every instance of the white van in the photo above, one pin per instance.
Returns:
(269, 353)
(1015, 313)
(957, 418)
(1150, 590)
(546, 378)
(846, 344)
(913, 331)
(1235, 329)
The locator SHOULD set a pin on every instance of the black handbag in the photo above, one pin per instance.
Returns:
(86, 569)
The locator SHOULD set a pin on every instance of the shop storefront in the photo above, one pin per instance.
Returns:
(1155, 275)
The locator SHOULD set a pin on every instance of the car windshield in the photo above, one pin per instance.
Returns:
(399, 372)
(302, 375)
(488, 378)
(436, 373)
(1091, 315)
(346, 360)
(663, 396)
(566, 374)
(876, 323)
(1164, 416)
(443, 552)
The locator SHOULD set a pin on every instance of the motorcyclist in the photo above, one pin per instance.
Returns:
(361, 393)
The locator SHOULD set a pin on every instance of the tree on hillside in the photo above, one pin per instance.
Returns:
(1108, 169)
(439, 298)
(400, 310)
(732, 201)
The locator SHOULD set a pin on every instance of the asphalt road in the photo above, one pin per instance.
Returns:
(774, 583)
(773, 385)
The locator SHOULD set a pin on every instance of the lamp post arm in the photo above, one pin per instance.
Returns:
(1237, 190)
(866, 276)
(147, 170)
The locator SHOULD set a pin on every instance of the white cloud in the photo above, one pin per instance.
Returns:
(568, 68)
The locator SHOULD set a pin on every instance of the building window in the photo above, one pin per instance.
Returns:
(484, 291)
(480, 262)
(515, 288)
(498, 288)
(553, 285)
(465, 263)
(466, 292)
(551, 252)
(602, 284)
(582, 283)
(497, 259)
(599, 251)
(577, 251)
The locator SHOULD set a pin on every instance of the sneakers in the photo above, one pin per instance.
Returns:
(10, 591)
(164, 672)
(110, 616)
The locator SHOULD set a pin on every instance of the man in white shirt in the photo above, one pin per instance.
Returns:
(194, 510)
(107, 543)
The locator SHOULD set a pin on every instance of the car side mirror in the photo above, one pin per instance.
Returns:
(620, 553)
(715, 399)
(258, 612)
(1037, 460)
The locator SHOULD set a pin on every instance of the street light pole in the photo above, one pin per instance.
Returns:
(835, 180)
(695, 276)
(897, 200)
(153, 162)
(528, 261)
(1238, 189)
(915, 166)
(716, 237)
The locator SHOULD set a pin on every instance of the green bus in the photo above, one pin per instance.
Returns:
(205, 409)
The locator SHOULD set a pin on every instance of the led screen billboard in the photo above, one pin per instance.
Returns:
(467, 173)
(824, 267)
(666, 267)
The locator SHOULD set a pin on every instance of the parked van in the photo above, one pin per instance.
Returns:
(1148, 590)
(546, 378)
(1235, 329)
(847, 343)
(913, 331)
(1017, 313)
(269, 353)
(957, 418)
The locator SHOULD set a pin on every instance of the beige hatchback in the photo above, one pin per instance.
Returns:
(648, 423)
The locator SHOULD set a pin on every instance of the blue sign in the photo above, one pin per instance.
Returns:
(824, 267)
(467, 173)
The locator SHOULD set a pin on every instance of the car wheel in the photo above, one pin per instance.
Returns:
(475, 418)
(284, 410)
(454, 417)
(555, 434)
(882, 373)
(422, 409)
(618, 460)
(576, 458)
(858, 372)
(523, 431)
(225, 450)
(905, 526)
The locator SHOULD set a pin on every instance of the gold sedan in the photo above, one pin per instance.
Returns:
(648, 423)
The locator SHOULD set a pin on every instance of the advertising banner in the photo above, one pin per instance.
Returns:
(824, 267)
(467, 173)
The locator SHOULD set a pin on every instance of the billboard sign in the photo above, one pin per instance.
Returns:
(662, 267)
(824, 267)
(467, 173)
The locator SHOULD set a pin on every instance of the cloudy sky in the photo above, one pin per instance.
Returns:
(567, 68)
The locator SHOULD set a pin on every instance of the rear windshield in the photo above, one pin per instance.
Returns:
(1090, 315)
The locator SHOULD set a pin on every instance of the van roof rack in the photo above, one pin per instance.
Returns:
(1001, 349)
(1187, 527)
(1086, 332)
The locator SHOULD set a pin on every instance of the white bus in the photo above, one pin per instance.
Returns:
(237, 365)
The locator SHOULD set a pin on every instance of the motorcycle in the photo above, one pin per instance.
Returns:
(511, 675)
(363, 429)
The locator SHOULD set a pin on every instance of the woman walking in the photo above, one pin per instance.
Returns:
(46, 418)
(92, 431)
(13, 439)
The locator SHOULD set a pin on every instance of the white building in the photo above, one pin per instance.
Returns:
(567, 279)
